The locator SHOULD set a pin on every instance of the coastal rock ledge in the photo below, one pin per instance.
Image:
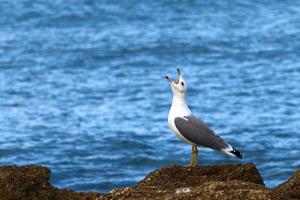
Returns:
(241, 181)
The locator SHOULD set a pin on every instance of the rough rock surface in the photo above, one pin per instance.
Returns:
(202, 182)
(291, 188)
(173, 182)
(32, 182)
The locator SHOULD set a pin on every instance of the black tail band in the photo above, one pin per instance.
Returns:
(237, 153)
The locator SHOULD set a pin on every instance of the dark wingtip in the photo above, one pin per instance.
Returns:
(237, 153)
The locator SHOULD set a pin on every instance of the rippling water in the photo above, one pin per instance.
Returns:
(82, 88)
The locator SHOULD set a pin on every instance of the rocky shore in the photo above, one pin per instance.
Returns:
(172, 182)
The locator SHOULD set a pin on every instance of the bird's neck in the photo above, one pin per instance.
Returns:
(178, 100)
(179, 105)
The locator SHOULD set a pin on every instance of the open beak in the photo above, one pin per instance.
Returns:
(169, 79)
(172, 81)
(179, 73)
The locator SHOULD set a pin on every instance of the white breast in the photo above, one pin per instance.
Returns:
(178, 111)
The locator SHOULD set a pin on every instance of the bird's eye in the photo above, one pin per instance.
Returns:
(182, 83)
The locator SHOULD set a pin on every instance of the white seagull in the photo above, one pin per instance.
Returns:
(191, 129)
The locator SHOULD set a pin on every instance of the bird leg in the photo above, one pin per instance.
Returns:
(196, 155)
(194, 160)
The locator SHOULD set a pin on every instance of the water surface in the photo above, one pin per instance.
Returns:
(82, 88)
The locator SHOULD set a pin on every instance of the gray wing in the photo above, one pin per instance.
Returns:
(196, 131)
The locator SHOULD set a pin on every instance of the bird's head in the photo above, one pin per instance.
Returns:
(178, 87)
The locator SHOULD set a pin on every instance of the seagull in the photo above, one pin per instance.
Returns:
(192, 129)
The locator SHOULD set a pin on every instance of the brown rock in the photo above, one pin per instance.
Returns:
(202, 182)
(291, 188)
(175, 176)
(32, 182)
(173, 182)
(216, 190)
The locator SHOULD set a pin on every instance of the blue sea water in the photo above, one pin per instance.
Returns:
(82, 88)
